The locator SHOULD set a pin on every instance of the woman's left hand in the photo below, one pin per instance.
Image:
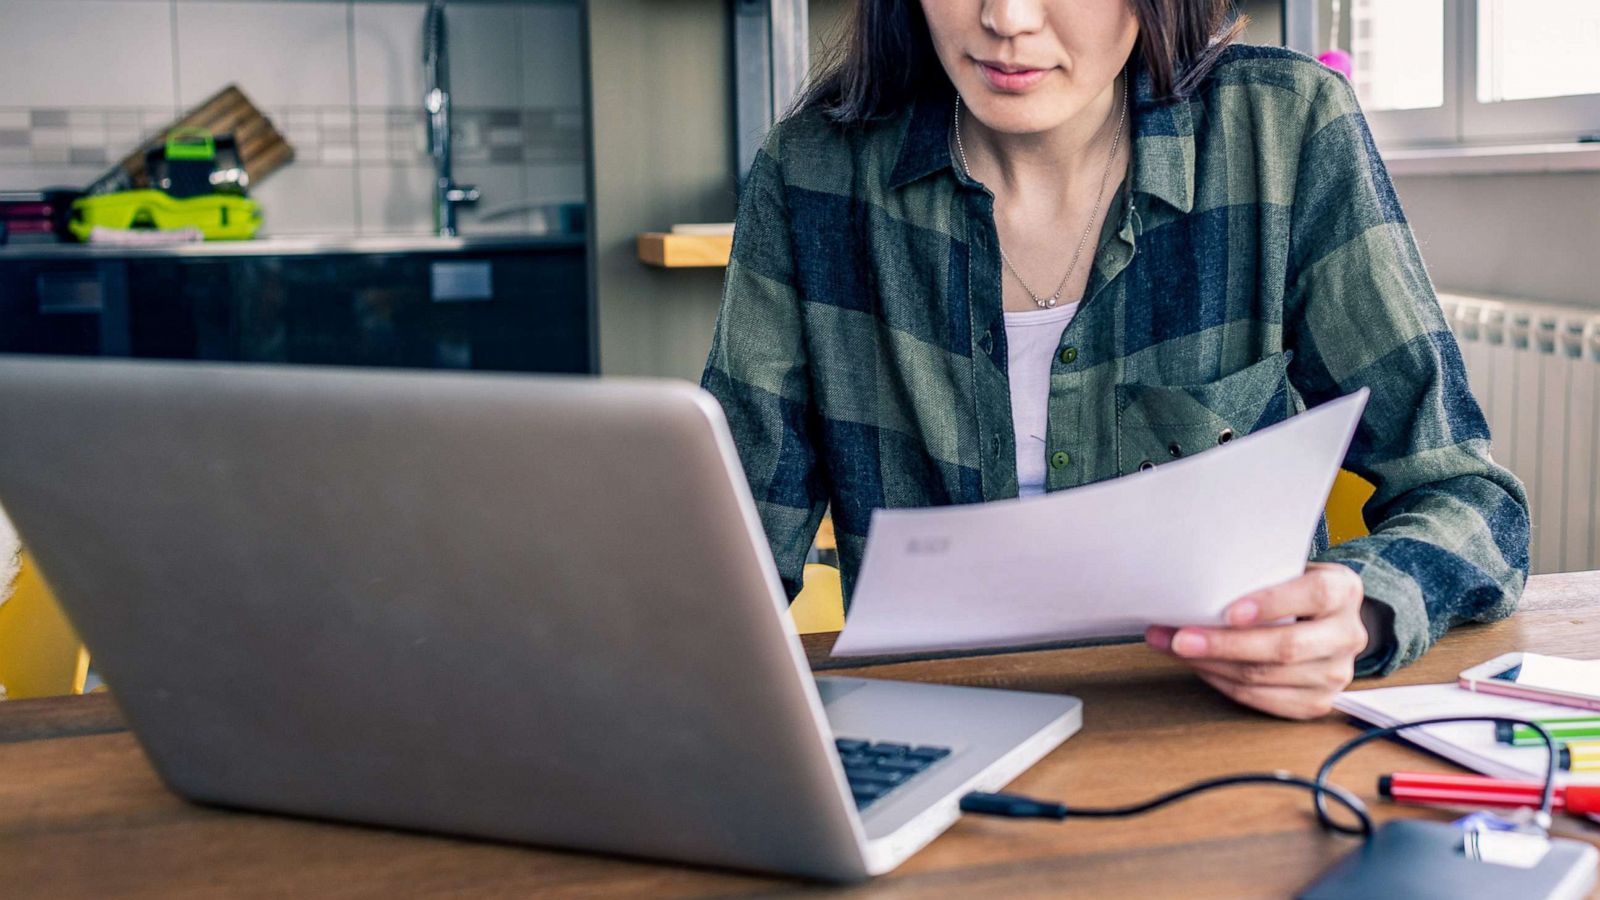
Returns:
(1292, 670)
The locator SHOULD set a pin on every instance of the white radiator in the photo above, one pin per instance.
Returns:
(1535, 369)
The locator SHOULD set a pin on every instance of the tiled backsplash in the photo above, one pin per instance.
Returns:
(86, 80)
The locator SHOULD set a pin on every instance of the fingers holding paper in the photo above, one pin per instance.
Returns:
(1292, 669)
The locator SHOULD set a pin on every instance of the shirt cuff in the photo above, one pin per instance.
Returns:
(1378, 619)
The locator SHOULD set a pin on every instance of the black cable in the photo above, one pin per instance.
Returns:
(1018, 807)
(1013, 806)
(1546, 797)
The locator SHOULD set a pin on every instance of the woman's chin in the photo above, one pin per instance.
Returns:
(1013, 114)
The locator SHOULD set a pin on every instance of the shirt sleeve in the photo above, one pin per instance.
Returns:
(758, 370)
(1449, 526)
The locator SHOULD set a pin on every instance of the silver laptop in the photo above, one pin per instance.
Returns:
(533, 609)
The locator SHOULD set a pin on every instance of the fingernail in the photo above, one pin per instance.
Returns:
(1187, 643)
(1243, 613)
(1159, 638)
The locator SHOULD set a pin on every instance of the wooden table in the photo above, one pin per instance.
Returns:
(82, 814)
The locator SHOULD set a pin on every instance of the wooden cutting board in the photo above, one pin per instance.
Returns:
(261, 147)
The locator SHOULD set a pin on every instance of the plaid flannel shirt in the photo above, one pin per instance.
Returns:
(1256, 261)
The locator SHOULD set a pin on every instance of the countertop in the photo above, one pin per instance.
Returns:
(298, 246)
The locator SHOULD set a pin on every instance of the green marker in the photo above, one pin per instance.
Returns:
(1579, 728)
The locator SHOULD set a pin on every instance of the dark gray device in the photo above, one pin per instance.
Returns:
(1421, 860)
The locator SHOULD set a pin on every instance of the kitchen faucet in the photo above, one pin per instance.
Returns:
(436, 60)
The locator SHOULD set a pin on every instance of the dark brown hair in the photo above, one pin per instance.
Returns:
(885, 57)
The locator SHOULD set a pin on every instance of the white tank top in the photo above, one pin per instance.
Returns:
(1032, 339)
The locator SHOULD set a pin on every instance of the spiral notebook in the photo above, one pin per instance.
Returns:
(1471, 744)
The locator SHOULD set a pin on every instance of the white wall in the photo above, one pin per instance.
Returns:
(86, 80)
(1534, 235)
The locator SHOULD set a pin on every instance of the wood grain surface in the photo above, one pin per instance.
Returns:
(82, 814)
(262, 148)
(673, 251)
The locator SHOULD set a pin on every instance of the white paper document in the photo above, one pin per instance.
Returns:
(1171, 546)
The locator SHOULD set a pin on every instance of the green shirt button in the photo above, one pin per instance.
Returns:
(1069, 355)
(1059, 459)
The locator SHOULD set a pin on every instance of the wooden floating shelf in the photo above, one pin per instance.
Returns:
(676, 251)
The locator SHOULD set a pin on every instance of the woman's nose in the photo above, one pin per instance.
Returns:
(1009, 18)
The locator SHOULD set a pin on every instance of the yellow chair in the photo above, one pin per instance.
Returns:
(1350, 493)
(820, 605)
(40, 654)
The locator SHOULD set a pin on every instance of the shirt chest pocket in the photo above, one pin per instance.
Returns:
(1158, 423)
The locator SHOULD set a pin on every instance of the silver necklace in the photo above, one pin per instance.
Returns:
(1116, 139)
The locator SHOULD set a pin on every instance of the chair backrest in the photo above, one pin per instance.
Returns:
(1350, 493)
(40, 653)
(820, 605)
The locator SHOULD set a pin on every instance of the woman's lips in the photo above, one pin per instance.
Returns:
(1010, 78)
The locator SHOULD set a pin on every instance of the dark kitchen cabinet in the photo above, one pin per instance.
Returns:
(518, 308)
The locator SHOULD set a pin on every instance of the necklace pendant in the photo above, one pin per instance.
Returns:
(1116, 140)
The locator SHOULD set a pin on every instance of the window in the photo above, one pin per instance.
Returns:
(1442, 72)
(1399, 54)
(1528, 50)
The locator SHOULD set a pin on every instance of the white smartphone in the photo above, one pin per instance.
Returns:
(1533, 676)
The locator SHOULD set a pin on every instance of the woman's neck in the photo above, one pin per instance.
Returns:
(1049, 163)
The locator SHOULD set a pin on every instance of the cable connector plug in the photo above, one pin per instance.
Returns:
(1011, 806)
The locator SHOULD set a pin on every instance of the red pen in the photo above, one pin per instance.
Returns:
(1431, 789)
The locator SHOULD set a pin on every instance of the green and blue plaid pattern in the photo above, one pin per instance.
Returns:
(1255, 262)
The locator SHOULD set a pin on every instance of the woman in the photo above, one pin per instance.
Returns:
(1012, 246)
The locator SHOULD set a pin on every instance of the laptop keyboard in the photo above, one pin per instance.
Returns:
(876, 769)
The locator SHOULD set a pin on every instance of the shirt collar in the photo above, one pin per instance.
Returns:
(1163, 143)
